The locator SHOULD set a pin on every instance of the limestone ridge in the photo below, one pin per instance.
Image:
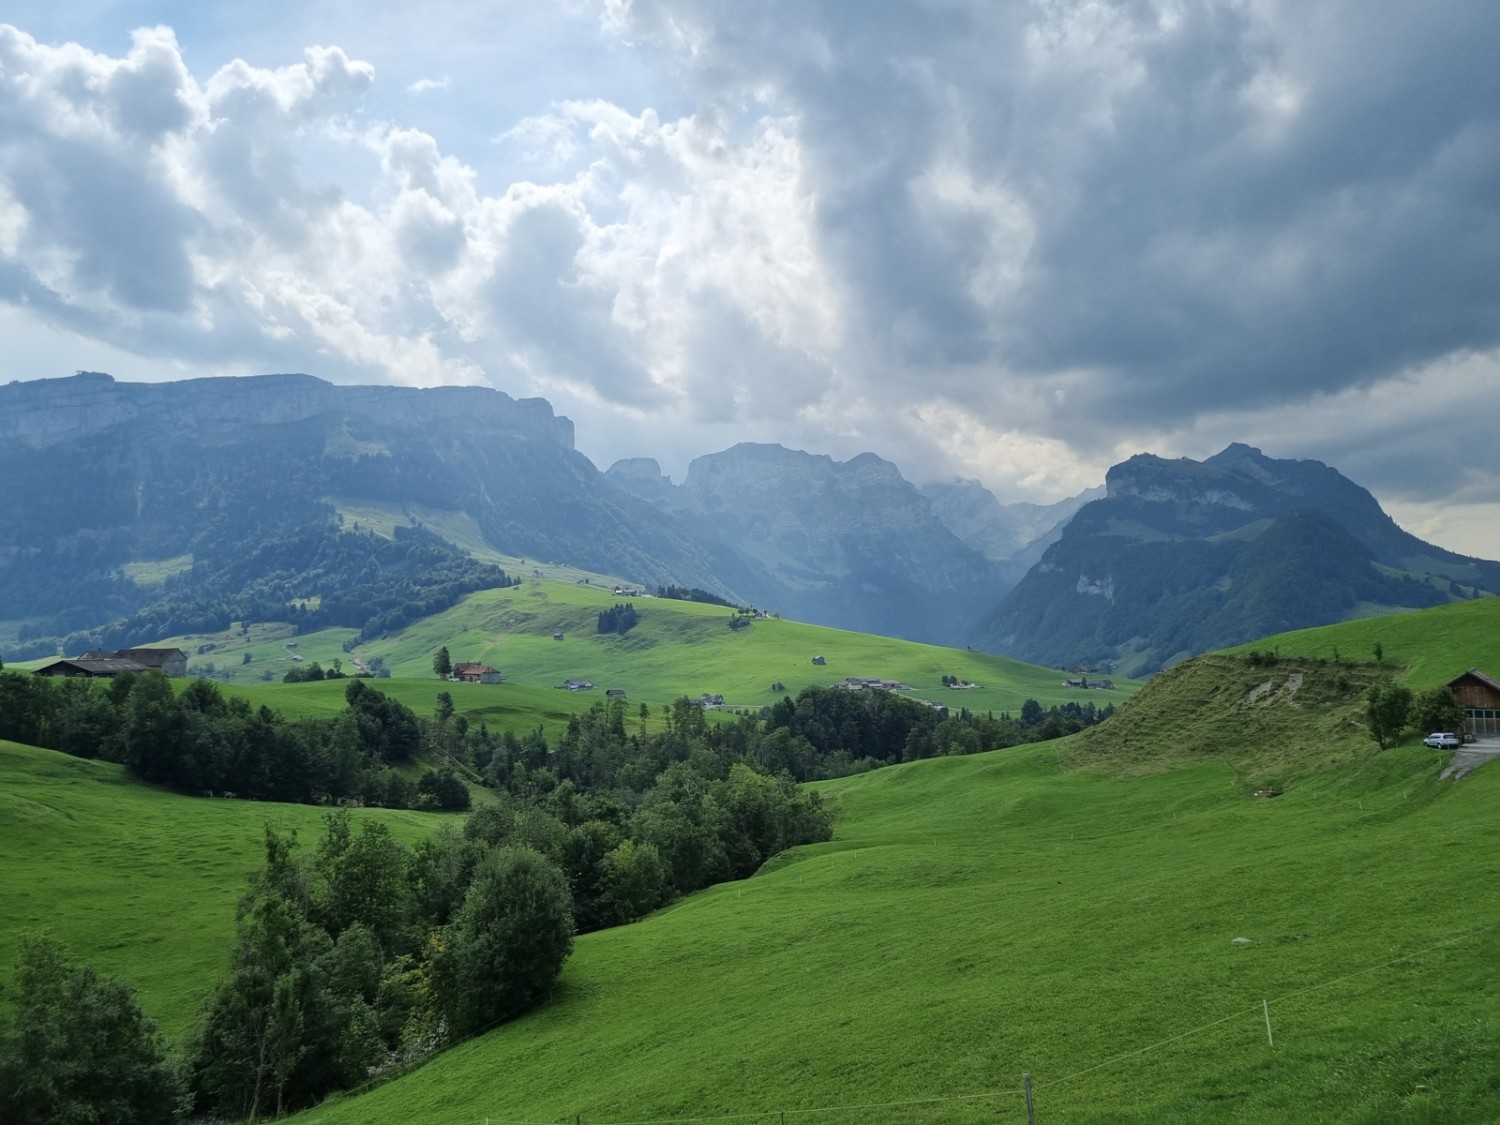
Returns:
(46, 412)
(1182, 557)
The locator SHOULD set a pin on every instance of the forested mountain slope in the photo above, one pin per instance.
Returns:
(1183, 557)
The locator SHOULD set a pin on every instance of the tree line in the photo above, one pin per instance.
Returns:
(199, 741)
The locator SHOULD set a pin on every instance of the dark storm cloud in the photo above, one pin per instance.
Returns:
(1228, 204)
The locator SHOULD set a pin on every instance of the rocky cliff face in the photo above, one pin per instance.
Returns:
(48, 412)
(851, 543)
(1181, 557)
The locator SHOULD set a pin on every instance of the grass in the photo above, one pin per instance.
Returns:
(976, 918)
(683, 648)
(678, 649)
(1424, 649)
(140, 882)
(1069, 910)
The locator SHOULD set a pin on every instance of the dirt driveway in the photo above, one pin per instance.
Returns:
(1470, 757)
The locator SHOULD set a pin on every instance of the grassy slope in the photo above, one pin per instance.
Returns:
(677, 649)
(980, 917)
(1428, 648)
(139, 882)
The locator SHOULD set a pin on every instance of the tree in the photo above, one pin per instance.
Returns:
(1386, 711)
(1435, 709)
(508, 941)
(442, 663)
(77, 1047)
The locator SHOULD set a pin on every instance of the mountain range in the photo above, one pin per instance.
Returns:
(138, 511)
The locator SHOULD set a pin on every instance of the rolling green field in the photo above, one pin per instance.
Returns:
(1116, 914)
(982, 917)
(678, 649)
(140, 882)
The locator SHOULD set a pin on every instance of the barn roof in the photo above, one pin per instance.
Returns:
(1475, 674)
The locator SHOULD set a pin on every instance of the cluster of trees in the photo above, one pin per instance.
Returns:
(75, 1046)
(197, 740)
(618, 618)
(829, 732)
(313, 672)
(368, 955)
(1391, 708)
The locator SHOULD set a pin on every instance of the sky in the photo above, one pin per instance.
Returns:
(1009, 241)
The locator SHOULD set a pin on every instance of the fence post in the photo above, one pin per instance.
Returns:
(1266, 1004)
(1030, 1108)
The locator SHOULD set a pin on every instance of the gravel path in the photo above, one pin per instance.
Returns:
(1469, 758)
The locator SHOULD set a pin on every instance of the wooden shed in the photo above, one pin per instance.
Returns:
(1479, 696)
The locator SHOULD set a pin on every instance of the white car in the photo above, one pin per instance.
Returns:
(1442, 740)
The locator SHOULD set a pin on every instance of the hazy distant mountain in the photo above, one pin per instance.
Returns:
(1000, 531)
(234, 482)
(845, 543)
(1181, 557)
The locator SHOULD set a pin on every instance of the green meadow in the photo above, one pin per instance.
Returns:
(975, 919)
(140, 882)
(1119, 914)
(677, 649)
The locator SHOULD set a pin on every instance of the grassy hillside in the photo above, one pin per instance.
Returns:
(980, 917)
(677, 649)
(139, 882)
(1427, 648)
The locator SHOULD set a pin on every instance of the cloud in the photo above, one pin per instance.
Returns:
(1008, 241)
(426, 86)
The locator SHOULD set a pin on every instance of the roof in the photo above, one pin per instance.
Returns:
(1475, 673)
(94, 666)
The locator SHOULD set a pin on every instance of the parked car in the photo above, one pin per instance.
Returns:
(1442, 740)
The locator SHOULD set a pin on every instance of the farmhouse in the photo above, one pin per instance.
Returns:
(615, 692)
(578, 685)
(1479, 696)
(468, 672)
(98, 662)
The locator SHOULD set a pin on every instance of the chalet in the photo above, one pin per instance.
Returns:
(709, 702)
(1102, 685)
(819, 661)
(1075, 683)
(615, 692)
(871, 683)
(578, 685)
(467, 672)
(1479, 696)
(100, 662)
(557, 636)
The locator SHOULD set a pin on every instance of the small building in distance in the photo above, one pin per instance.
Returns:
(615, 692)
(468, 672)
(818, 660)
(1479, 696)
(578, 685)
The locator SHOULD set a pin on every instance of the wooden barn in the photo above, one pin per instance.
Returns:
(1479, 696)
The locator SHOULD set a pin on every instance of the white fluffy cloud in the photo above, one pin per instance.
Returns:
(1014, 241)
